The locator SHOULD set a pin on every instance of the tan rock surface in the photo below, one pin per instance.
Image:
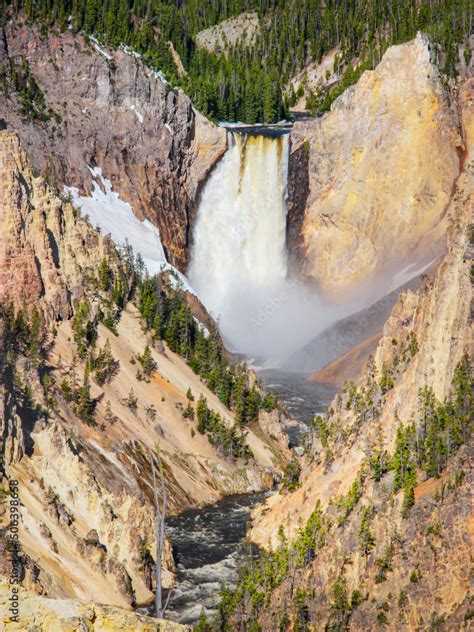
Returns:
(381, 167)
(426, 582)
(349, 365)
(439, 316)
(86, 490)
(54, 615)
(241, 29)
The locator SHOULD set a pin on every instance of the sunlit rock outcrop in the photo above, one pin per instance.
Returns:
(381, 171)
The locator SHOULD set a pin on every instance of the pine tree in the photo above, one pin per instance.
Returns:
(132, 401)
(85, 405)
(105, 275)
(366, 539)
(202, 414)
(147, 361)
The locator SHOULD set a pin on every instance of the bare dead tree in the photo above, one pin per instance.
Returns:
(160, 534)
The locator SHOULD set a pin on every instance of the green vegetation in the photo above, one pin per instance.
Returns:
(438, 425)
(20, 79)
(346, 504)
(132, 401)
(291, 477)
(148, 364)
(229, 441)
(440, 431)
(103, 364)
(384, 564)
(366, 539)
(167, 316)
(249, 83)
(259, 578)
(84, 404)
(22, 337)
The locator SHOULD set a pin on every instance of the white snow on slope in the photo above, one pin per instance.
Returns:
(99, 48)
(111, 215)
(130, 51)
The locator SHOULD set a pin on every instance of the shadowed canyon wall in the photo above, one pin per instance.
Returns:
(106, 109)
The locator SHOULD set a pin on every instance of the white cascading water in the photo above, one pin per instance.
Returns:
(239, 264)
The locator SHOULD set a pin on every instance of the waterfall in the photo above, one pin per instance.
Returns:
(240, 233)
(238, 263)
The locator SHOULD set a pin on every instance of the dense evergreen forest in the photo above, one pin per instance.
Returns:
(250, 83)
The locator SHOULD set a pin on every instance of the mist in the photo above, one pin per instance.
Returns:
(239, 266)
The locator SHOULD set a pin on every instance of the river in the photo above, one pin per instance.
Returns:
(209, 544)
(208, 548)
(302, 398)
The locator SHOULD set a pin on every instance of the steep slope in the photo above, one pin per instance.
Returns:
(78, 432)
(380, 171)
(378, 534)
(242, 30)
(76, 106)
(248, 82)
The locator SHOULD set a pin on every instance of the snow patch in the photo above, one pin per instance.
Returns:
(111, 215)
(202, 327)
(130, 51)
(159, 75)
(99, 48)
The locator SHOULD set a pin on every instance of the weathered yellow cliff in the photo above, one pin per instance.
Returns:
(54, 615)
(381, 171)
(415, 573)
(439, 317)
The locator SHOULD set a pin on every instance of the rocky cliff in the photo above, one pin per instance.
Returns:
(370, 182)
(360, 545)
(85, 484)
(62, 615)
(242, 30)
(75, 106)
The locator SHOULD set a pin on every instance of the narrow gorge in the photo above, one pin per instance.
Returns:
(259, 327)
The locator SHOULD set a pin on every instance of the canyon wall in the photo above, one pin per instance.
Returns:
(106, 109)
(86, 486)
(370, 181)
(415, 570)
(52, 614)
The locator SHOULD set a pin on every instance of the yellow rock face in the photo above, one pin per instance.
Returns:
(439, 316)
(382, 166)
(54, 615)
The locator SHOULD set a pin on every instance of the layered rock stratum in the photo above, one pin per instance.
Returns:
(383, 181)
(57, 615)
(416, 573)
